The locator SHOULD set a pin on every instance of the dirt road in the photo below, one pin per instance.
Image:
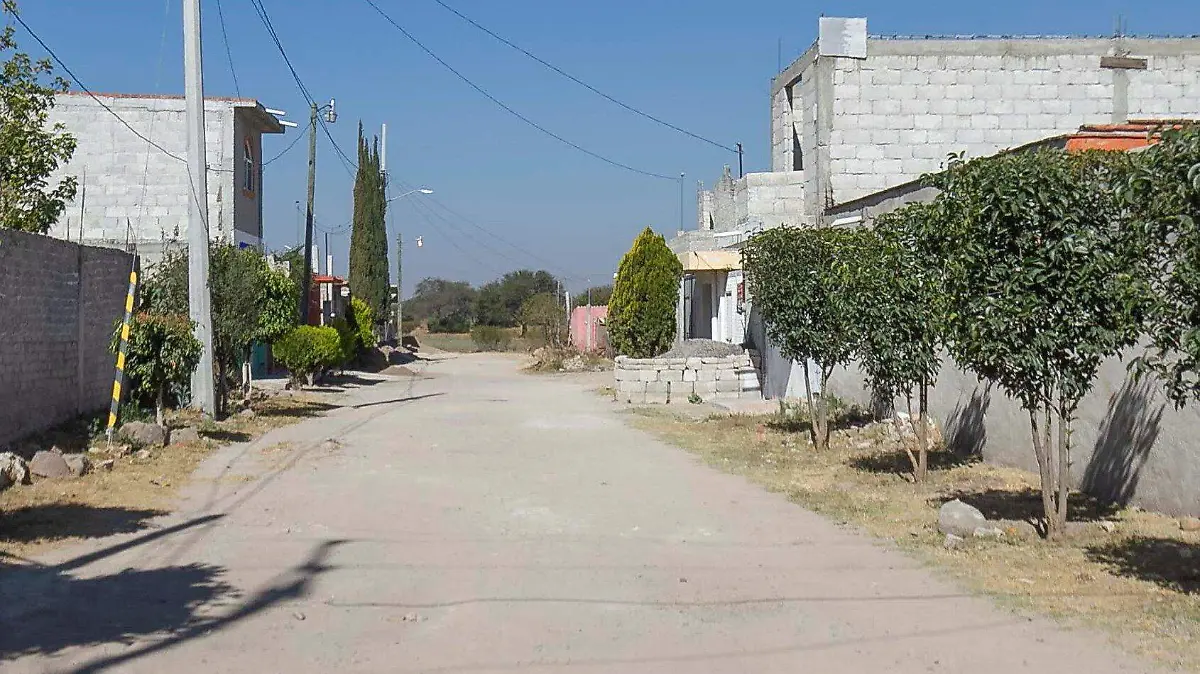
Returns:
(481, 520)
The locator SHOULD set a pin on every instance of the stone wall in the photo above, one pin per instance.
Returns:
(675, 380)
(60, 302)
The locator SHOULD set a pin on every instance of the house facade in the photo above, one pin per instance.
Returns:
(134, 195)
(857, 119)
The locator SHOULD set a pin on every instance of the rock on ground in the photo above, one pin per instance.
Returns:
(13, 470)
(703, 348)
(960, 519)
(185, 435)
(49, 464)
(145, 434)
(78, 464)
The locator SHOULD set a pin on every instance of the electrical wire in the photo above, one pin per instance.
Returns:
(583, 84)
(285, 150)
(228, 52)
(505, 106)
(162, 51)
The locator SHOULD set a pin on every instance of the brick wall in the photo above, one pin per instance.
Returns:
(60, 302)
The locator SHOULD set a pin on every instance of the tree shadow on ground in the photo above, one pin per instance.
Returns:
(1127, 434)
(70, 520)
(297, 410)
(1026, 505)
(349, 379)
(966, 427)
(898, 462)
(1168, 563)
(226, 436)
(840, 419)
(46, 609)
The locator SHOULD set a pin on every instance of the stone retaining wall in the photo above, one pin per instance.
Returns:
(675, 380)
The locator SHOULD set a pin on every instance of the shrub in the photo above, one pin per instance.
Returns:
(547, 317)
(162, 353)
(308, 350)
(348, 341)
(363, 320)
(641, 313)
(455, 324)
(490, 338)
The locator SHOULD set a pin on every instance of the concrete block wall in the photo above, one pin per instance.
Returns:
(763, 199)
(60, 302)
(674, 380)
(123, 178)
(874, 123)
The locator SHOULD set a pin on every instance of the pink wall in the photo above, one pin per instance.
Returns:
(579, 329)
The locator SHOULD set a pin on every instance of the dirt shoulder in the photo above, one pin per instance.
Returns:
(136, 486)
(1133, 574)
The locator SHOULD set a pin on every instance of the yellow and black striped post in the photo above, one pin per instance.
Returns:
(119, 379)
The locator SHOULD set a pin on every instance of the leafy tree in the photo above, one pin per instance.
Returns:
(600, 296)
(162, 353)
(490, 338)
(294, 257)
(500, 301)
(363, 319)
(250, 302)
(806, 283)
(543, 313)
(368, 240)
(1163, 190)
(900, 318)
(1044, 281)
(30, 151)
(447, 306)
(641, 313)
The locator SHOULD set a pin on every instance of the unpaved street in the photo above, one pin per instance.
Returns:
(482, 520)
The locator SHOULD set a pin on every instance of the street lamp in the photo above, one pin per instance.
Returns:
(400, 266)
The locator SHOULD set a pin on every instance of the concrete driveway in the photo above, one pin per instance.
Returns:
(482, 520)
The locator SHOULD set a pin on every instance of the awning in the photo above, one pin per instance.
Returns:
(711, 260)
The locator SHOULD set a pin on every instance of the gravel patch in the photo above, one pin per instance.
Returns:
(703, 348)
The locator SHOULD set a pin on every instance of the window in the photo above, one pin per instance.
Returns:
(248, 169)
(797, 152)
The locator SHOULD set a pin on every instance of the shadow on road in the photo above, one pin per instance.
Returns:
(396, 400)
(53, 521)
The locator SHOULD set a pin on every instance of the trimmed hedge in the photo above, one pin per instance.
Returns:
(307, 351)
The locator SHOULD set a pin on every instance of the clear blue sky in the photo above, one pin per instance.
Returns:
(702, 64)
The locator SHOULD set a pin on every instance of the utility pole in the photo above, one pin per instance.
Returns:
(741, 171)
(306, 286)
(199, 299)
(681, 177)
(399, 286)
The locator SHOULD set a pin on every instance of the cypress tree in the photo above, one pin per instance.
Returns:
(368, 240)
(641, 312)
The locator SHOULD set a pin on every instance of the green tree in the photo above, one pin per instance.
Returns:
(805, 282)
(1163, 190)
(368, 239)
(500, 301)
(901, 319)
(1044, 281)
(30, 149)
(600, 296)
(546, 317)
(162, 353)
(641, 313)
(308, 350)
(362, 319)
(250, 302)
(446, 306)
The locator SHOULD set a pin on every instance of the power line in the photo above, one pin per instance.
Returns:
(228, 52)
(505, 106)
(291, 145)
(583, 84)
(263, 16)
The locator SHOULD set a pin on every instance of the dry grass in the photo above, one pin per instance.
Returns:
(1140, 582)
(52, 512)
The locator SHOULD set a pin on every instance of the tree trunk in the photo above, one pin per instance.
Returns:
(160, 404)
(1064, 465)
(823, 408)
(912, 459)
(923, 430)
(812, 409)
(1041, 451)
(221, 379)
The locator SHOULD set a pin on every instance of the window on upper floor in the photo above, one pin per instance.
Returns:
(249, 171)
